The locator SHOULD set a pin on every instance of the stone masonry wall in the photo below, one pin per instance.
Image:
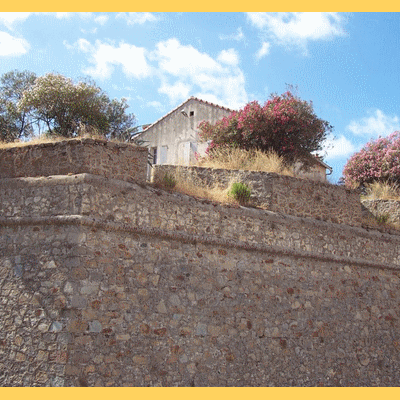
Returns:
(123, 285)
(278, 193)
(153, 210)
(112, 160)
(105, 282)
(384, 208)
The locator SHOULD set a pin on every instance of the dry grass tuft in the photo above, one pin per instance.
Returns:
(35, 140)
(216, 193)
(382, 191)
(255, 160)
(86, 132)
(187, 184)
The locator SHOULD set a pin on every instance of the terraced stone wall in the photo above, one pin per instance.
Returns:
(278, 193)
(108, 283)
(123, 161)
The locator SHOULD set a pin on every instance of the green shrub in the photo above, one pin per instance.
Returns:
(240, 192)
(169, 181)
(382, 218)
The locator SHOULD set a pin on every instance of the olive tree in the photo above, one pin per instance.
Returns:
(66, 107)
(15, 123)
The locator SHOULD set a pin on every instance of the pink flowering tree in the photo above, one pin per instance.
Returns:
(378, 160)
(285, 124)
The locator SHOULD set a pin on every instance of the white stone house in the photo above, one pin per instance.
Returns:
(173, 139)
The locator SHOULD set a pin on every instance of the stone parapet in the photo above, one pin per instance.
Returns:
(278, 193)
(122, 161)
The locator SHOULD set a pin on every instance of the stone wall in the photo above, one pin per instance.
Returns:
(152, 210)
(278, 193)
(389, 210)
(104, 282)
(112, 283)
(112, 160)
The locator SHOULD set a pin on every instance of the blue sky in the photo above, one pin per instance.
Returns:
(347, 64)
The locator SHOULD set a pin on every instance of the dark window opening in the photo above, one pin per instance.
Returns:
(154, 155)
(191, 113)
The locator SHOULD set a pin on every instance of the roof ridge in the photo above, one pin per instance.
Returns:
(180, 105)
(211, 104)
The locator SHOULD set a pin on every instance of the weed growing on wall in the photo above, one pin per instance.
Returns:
(382, 218)
(240, 192)
(169, 181)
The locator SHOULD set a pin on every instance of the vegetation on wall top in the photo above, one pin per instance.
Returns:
(377, 161)
(285, 124)
(55, 105)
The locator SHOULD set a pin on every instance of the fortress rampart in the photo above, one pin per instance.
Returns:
(112, 283)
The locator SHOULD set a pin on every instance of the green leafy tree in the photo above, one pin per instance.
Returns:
(15, 123)
(121, 124)
(285, 124)
(65, 107)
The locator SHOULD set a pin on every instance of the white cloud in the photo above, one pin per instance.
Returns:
(338, 147)
(296, 29)
(101, 19)
(376, 124)
(180, 60)
(157, 105)
(9, 18)
(85, 15)
(125, 88)
(230, 57)
(106, 56)
(263, 51)
(12, 46)
(182, 70)
(81, 45)
(89, 31)
(258, 19)
(176, 92)
(63, 15)
(235, 36)
(84, 45)
(140, 18)
(190, 70)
